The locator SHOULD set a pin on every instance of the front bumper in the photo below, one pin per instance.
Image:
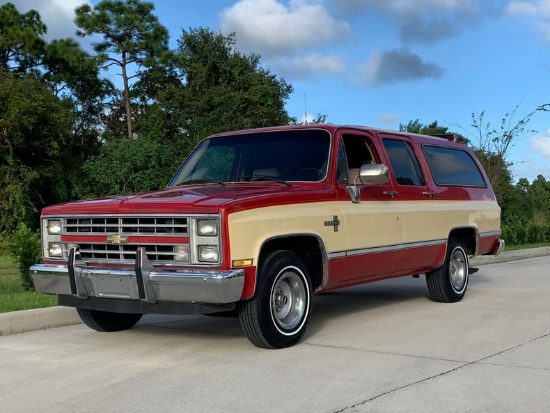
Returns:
(144, 282)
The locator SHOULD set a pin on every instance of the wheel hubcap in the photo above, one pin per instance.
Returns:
(458, 269)
(288, 300)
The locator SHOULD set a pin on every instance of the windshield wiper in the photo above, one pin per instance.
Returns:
(253, 177)
(200, 181)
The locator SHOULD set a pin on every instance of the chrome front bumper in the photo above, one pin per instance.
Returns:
(144, 282)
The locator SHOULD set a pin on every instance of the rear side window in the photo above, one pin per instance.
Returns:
(452, 167)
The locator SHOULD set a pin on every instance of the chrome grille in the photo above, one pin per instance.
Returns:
(125, 252)
(127, 225)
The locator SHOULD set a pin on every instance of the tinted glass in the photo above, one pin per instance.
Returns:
(452, 167)
(292, 155)
(404, 163)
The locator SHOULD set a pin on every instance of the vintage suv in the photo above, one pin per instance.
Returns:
(257, 221)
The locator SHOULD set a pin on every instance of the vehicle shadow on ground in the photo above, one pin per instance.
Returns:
(345, 302)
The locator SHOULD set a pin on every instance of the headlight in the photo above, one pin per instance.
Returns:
(55, 250)
(207, 227)
(182, 253)
(54, 227)
(208, 253)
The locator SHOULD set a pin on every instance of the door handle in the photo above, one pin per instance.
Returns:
(393, 194)
(431, 194)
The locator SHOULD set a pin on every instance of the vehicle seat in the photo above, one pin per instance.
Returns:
(352, 174)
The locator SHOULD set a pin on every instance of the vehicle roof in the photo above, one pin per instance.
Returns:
(334, 127)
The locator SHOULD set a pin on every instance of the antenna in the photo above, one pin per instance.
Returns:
(305, 108)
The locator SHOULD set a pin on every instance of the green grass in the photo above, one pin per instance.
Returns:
(524, 246)
(13, 296)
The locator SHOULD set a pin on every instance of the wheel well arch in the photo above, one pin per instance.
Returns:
(310, 248)
(469, 238)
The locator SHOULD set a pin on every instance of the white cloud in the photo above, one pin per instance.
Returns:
(310, 66)
(395, 66)
(537, 9)
(420, 21)
(534, 160)
(271, 28)
(421, 6)
(389, 119)
(540, 144)
(58, 15)
(540, 8)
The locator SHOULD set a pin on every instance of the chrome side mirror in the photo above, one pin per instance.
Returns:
(377, 174)
(369, 174)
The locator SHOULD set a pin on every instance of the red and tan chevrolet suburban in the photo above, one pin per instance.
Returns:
(257, 221)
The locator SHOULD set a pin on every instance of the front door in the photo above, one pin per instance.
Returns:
(373, 226)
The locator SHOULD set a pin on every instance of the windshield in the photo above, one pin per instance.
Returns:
(283, 156)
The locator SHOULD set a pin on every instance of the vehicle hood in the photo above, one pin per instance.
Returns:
(186, 199)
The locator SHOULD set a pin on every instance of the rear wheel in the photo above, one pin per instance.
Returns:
(448, 283)
(278, 314)
(106, 321)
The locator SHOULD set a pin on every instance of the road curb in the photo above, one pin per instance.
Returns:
(507, 256)
(30, 320)
(24, 321)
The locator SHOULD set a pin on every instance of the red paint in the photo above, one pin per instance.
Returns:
(234, 197)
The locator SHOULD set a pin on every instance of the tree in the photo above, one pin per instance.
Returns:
(21, 40)
(223, 89)
(492, 146)
(127, 166)
(417, 127)
(74, 75)
(34, 134)
(132, 36)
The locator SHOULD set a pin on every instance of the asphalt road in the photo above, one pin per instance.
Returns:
(382, 347)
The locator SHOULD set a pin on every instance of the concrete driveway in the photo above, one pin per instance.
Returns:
(383, 347)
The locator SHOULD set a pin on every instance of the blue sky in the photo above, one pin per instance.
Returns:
(385, 62)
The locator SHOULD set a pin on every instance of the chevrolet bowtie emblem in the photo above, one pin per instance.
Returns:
(117, 239)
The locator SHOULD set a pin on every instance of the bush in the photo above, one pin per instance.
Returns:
(24, 245)
(519, 233)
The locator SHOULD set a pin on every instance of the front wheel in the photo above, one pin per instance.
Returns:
(447, 284)
(106, 321)
(278, 314)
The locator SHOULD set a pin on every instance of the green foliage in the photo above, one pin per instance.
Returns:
(34, 135)
(417, 127)
(24, 246)
(13, 297)
(499, 174)
(16, 203)
(499, 140)
(21, 42)
(128, 166)
(526, 212)
(223, 89)
(518, 233)
(131, 35)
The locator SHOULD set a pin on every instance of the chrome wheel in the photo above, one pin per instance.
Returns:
(277, 315)
(458, 270)
(288, 299)
(448, 283)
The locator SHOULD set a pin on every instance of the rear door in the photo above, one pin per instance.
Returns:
(415, 199)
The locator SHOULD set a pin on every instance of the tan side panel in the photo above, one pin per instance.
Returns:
(421, 222)
(372, 224)
(483, 215)
(365, 225)
(249, 229)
